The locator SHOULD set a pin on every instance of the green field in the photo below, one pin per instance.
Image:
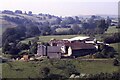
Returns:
(19, 69)
(58, 37)
(48, 38)
(112, 29)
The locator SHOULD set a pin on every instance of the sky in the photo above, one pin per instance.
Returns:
(63, 7)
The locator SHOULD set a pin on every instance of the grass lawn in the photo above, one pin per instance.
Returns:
(19, 69)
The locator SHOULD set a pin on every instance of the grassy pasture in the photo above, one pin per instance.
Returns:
(19, 69)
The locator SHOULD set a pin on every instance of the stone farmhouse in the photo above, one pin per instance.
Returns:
(74, 47)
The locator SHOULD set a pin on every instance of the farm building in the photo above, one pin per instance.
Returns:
(54, 52)
(41, 50)
(69, 49)
(75, 47)
(80, 49)
(49, 51)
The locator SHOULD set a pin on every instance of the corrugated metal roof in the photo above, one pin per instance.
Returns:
(78, 38)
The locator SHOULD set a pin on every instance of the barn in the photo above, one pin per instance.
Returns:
(54, 52)
(80, 49)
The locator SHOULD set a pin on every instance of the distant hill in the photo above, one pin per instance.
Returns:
(101, 15)
(6, 24)
(11, 19)
(45, 24)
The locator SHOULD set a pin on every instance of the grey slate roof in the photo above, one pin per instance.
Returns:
(54, 49)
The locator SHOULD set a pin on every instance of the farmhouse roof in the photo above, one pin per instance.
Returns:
(54, 49)
(80, 45)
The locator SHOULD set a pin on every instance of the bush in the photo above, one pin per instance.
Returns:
(115, 62)
(113, 38)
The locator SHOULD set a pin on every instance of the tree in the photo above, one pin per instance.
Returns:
(98, 55)
(108, 22)
(58, 20)
(75, 28)
(22, 46)
(29, 43)
(70, 20)
(8, 12)
(85, 25)
(66, 66)
(114, 38)
(44, 72)
(98, 30)
(102, 24)
(105, 51)
(11, 49)
(32, 31)
(21, 30)
(14, 51)
(13, 34)
(5, 47)
(18, 12)
(33, 48)
(30, 13)
(70, 69)
(7, 33)
(77, 21)
(46, 30)
(93, 17)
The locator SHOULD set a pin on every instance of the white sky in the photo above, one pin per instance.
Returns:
(62, 7)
